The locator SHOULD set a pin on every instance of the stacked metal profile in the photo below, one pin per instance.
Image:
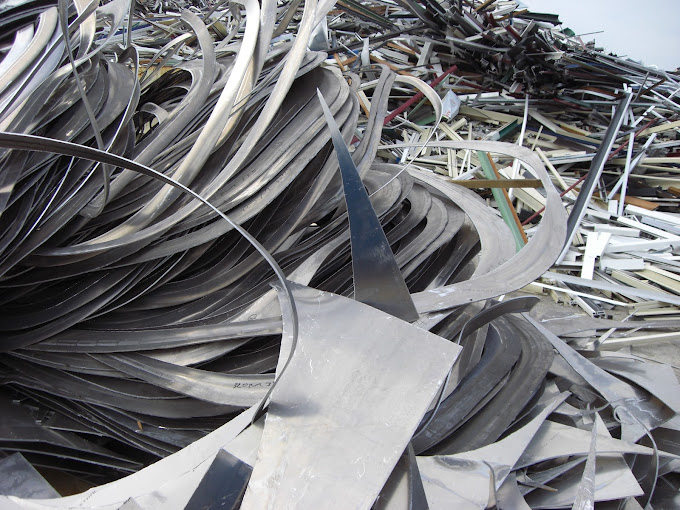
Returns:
(257, 254)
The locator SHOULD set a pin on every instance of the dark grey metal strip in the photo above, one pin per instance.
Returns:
(377, 279)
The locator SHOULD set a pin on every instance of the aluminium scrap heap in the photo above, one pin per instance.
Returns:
(257, 254)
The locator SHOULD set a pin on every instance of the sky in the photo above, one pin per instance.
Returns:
(647, 30)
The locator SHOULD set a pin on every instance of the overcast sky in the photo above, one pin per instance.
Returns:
(647, 30)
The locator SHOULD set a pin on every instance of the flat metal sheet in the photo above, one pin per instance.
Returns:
(19, 478)
(657, 378)
(404, 488)
(555, 440)
(611, 479)
(336, 445)
(165, 485)
(638, 415)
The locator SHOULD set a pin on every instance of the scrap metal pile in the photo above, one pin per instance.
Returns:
(259, 254)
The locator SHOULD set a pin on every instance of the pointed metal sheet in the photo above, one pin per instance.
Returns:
(612, 479)
(657, 378)
(378, 282)
(509, 496)
(556, 440)
(404, 488)
(585, 494)
(637, 417)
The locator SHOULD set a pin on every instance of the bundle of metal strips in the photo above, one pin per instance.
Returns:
(231, 279)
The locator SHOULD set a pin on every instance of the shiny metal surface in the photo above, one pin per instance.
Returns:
(163, 165)
(352, 411)
(638, 416)
(404, 488)
(585, 494)
(470, 478)
(554, 440)
(377, 279)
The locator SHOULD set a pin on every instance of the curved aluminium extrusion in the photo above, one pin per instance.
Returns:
(525, 266)
(46, 25)
(196, 157)
(497, 245)
(520, 304)
(225, 389)
(488, 423)
(30, 142)
(23, 39)
(501, 352)
(436, 101)
(288, 73)
(88, 341)
(205, 143)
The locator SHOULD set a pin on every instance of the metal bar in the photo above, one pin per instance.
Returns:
(593, 175)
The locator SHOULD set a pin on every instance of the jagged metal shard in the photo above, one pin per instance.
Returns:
(638, 416)
(469, 479)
